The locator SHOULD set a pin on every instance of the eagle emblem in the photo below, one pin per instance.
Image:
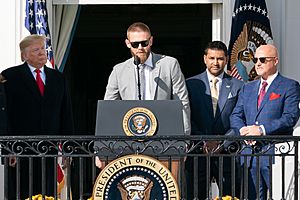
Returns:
(135, 188)
(251, 37)
(139, 121)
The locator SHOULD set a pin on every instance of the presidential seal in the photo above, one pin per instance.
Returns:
(139, 122)
(135, 177)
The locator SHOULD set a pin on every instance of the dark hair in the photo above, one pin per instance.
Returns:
(216, 45)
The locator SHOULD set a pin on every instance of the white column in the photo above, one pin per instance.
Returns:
(12, 15)
(7, 33)
(290, 34)
(12, 31)
(217, 21)
(227, 19)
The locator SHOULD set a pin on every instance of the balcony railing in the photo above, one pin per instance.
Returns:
(80, 151)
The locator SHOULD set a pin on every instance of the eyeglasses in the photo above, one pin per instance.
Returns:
(261, 59)
(144, 43)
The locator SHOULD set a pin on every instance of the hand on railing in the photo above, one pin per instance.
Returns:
(253, 130)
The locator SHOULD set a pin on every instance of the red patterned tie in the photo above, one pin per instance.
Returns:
(39, 81)
(262, 93)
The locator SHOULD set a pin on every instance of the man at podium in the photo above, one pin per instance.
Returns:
(159, 77)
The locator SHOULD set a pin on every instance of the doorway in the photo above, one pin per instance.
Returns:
(179, 30)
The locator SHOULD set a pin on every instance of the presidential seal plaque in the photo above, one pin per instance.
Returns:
(139, 121)
(135, 177)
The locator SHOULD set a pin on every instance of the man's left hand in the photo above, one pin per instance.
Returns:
(211, 147)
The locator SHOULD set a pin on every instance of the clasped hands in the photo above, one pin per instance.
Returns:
(250, 131)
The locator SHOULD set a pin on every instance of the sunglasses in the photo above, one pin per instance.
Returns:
(144, 43)
(261, 59)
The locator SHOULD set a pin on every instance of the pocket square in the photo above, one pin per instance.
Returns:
(274, 96)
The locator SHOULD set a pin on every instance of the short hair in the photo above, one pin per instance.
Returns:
(28, 40)
(138, 27)
(216, 45)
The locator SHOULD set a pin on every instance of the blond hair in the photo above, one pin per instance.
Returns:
(29, 40)
(138, 27)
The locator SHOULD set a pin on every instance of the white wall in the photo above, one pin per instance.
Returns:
(291, 43)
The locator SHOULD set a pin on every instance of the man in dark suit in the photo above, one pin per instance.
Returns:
(267, 106)
(38, 103)
(3, 116)
(3, 120)
(213, 95)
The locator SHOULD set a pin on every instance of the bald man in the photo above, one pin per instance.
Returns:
(267, 106)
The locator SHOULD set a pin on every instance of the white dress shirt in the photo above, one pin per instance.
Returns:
(42, 73)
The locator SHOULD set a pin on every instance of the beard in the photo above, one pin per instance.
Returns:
(143, 55)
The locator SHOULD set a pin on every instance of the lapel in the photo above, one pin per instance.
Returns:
(207, 95)
(224, 93)
(131, 75)
(274, 85)
(29, 81)
(254, 95)
(155, 74)
(49, 83)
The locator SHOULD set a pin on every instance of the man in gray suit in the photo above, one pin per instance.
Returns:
(213, 95)
(163, 79)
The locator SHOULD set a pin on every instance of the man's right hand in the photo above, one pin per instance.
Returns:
(12, 161)
(99, 163)
(247, 131)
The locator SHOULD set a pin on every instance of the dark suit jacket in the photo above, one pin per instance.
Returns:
(202, 119)
(279, 110)
(203, 122)
(28, 112)
(3, 117)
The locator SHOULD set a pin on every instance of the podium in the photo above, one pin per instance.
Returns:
(110, 114)
(145, 118)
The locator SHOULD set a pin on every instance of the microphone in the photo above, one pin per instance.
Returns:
(137, 61)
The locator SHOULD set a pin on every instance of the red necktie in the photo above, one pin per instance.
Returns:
(39, 81)
(262, 93)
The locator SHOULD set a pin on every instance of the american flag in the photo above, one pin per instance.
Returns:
(250, 28)
(36, 22)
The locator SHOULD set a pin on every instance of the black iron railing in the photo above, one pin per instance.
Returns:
(80, 152)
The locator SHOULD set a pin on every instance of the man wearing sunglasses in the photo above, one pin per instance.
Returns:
(267, 106)
(163, 79)
(162, 74)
